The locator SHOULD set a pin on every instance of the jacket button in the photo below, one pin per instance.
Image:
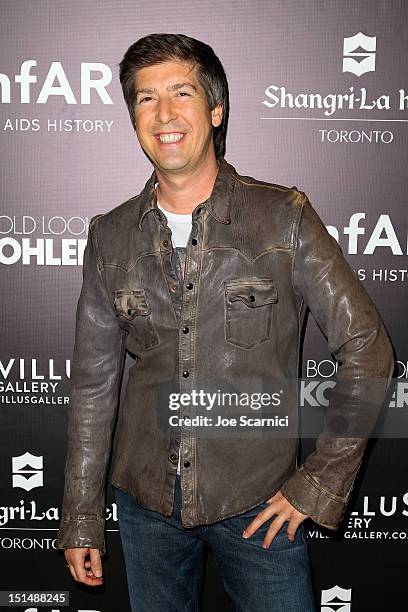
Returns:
(186, 374)
(252, 298)
(129, 312)
(185, 330)
(189, 285)
(165, 243)
(173, 457)
(193, 241)
(186, 464)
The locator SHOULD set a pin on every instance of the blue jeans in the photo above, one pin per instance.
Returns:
(165, 561)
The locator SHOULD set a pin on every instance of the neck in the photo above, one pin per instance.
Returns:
(182, 193)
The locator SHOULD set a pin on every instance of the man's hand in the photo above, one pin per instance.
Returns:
(89, 571)
(279, 505)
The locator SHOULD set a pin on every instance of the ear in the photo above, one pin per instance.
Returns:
(216, 115)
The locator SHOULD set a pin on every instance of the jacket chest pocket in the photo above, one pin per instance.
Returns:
(248, 310)
(132, 306)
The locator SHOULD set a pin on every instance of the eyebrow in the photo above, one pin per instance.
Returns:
(173, 87)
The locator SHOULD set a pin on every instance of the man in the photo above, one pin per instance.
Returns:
(219, 296)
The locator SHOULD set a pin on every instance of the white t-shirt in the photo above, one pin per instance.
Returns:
(180, 226)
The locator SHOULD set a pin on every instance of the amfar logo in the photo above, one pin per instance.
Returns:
(56, 83)
(382, 235)
(27, 464)
(362, 46)
(338, 598)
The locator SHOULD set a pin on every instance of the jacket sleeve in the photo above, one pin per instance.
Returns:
(95, 381)
(357, 339)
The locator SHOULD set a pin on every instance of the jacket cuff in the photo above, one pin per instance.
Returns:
(82, 533)
(306, 495)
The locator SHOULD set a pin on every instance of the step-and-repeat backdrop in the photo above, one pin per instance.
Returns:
(319, 99)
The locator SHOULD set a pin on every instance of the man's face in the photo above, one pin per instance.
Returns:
(172, 120)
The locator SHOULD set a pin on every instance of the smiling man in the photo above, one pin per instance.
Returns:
(174, 127)
(204, 278)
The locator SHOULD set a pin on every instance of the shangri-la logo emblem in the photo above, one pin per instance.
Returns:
(359, 54)
(336, 599)
(27, 471)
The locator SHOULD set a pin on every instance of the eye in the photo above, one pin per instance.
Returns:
(183, 93)
(143, 99)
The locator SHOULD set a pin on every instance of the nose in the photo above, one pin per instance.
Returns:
(165, 111)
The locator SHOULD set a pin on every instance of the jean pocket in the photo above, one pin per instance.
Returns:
(238, 522)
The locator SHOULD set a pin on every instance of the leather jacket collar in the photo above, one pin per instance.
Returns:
(218, 204)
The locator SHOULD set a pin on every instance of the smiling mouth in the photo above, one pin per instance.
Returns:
(170, 137)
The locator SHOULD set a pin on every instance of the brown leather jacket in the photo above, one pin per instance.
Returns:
(257, 255)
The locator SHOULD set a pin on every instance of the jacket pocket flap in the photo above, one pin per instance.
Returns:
(253, 293)
(131, 302)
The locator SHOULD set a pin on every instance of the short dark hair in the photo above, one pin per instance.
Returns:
(159, 48)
